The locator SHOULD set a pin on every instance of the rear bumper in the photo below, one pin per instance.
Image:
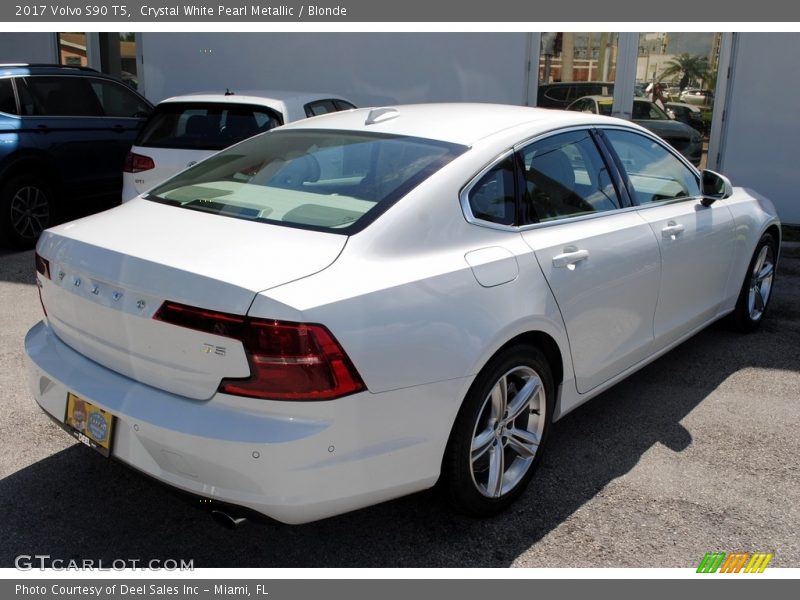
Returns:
(129, 191)
(292, 461)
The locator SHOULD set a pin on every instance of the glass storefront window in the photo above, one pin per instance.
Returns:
(575, 64)
(678, 71)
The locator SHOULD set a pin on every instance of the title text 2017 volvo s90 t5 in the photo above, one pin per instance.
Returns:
(352, 308)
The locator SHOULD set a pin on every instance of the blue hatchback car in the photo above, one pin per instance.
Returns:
(64, 134)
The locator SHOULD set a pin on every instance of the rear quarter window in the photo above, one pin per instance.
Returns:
(8, 103)
(58, 96)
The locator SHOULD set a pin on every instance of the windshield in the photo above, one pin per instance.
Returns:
(336, 181)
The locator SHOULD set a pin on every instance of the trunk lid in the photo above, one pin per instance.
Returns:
(112, 271)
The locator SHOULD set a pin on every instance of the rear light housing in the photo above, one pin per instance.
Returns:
(42, 265)
(135, 163)
(288, 361)
(43, 268)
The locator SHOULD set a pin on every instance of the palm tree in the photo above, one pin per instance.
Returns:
(690, 68)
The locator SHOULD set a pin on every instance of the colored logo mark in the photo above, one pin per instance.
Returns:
(98, 426)
(738, 562)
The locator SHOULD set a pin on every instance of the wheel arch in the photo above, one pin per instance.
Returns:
(31, 163)
(775, 231)
(544, 342)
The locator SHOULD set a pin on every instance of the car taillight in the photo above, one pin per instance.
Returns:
(288, 361)
(42, 265)
(134, 163)
(43, 268)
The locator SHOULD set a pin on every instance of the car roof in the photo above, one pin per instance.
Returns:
(611, 99)
(691, 107)
(268, 97)
(564, 83)
(49, 69)
(460, 122)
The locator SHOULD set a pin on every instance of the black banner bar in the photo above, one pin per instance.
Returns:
(264, 11)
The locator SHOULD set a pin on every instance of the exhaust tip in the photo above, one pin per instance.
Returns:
(226, 519)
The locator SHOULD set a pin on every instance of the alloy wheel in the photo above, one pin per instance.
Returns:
(508, 432)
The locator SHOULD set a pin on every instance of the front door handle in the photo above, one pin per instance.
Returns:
(570, 257)
(672, 230)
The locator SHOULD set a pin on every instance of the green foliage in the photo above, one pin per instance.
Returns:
(690, 69)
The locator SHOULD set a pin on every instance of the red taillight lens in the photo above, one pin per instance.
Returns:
(134, 163)
(288, 361)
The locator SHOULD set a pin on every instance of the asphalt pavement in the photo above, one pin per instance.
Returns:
(697, 452)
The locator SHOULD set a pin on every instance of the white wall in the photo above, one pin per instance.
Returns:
(761, 138)
(35, 47)
(369, 68)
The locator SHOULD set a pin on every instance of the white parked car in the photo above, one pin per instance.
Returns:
(356, 307)
(184, 130)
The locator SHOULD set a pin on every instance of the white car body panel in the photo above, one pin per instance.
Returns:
(696, 245)
(607, 299)
(420, 300)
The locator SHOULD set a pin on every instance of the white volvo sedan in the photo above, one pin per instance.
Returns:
(355, 307)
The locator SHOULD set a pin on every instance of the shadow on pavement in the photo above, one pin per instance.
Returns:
(75, 504)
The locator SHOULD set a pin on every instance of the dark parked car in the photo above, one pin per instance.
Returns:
(65, 133)
(561, 94)
(689, 114)
(680, 136)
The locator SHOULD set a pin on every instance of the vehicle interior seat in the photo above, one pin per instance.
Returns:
(551, 186)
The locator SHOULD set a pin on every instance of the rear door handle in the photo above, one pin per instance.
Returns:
(672, 230)
(570, 257)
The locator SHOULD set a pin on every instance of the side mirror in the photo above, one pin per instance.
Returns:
(715, 187)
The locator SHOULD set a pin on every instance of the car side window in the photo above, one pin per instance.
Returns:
(655, 173)
(8, 103)
(55, 96)
(492, 198)
(320, 107)
(343, 105)
(565, 176)
(117, 100)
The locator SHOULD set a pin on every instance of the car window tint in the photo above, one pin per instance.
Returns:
(558, 93)
(332, 181)
(118, 101)
(320, 107)
(565, 176)
(343, 105)
(59, 97)
(655, 173)
(205, 126)
(492, 198)
(8, 103)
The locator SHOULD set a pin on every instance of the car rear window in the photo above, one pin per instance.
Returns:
(205, 126)
(334, 181)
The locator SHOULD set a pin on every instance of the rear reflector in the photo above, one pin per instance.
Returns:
(288, 361)
(135, 163)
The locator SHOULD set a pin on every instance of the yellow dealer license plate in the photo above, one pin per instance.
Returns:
(91, 425)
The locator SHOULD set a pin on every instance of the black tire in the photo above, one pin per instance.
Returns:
(754, 297)
(467, 475)
(26, 209)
